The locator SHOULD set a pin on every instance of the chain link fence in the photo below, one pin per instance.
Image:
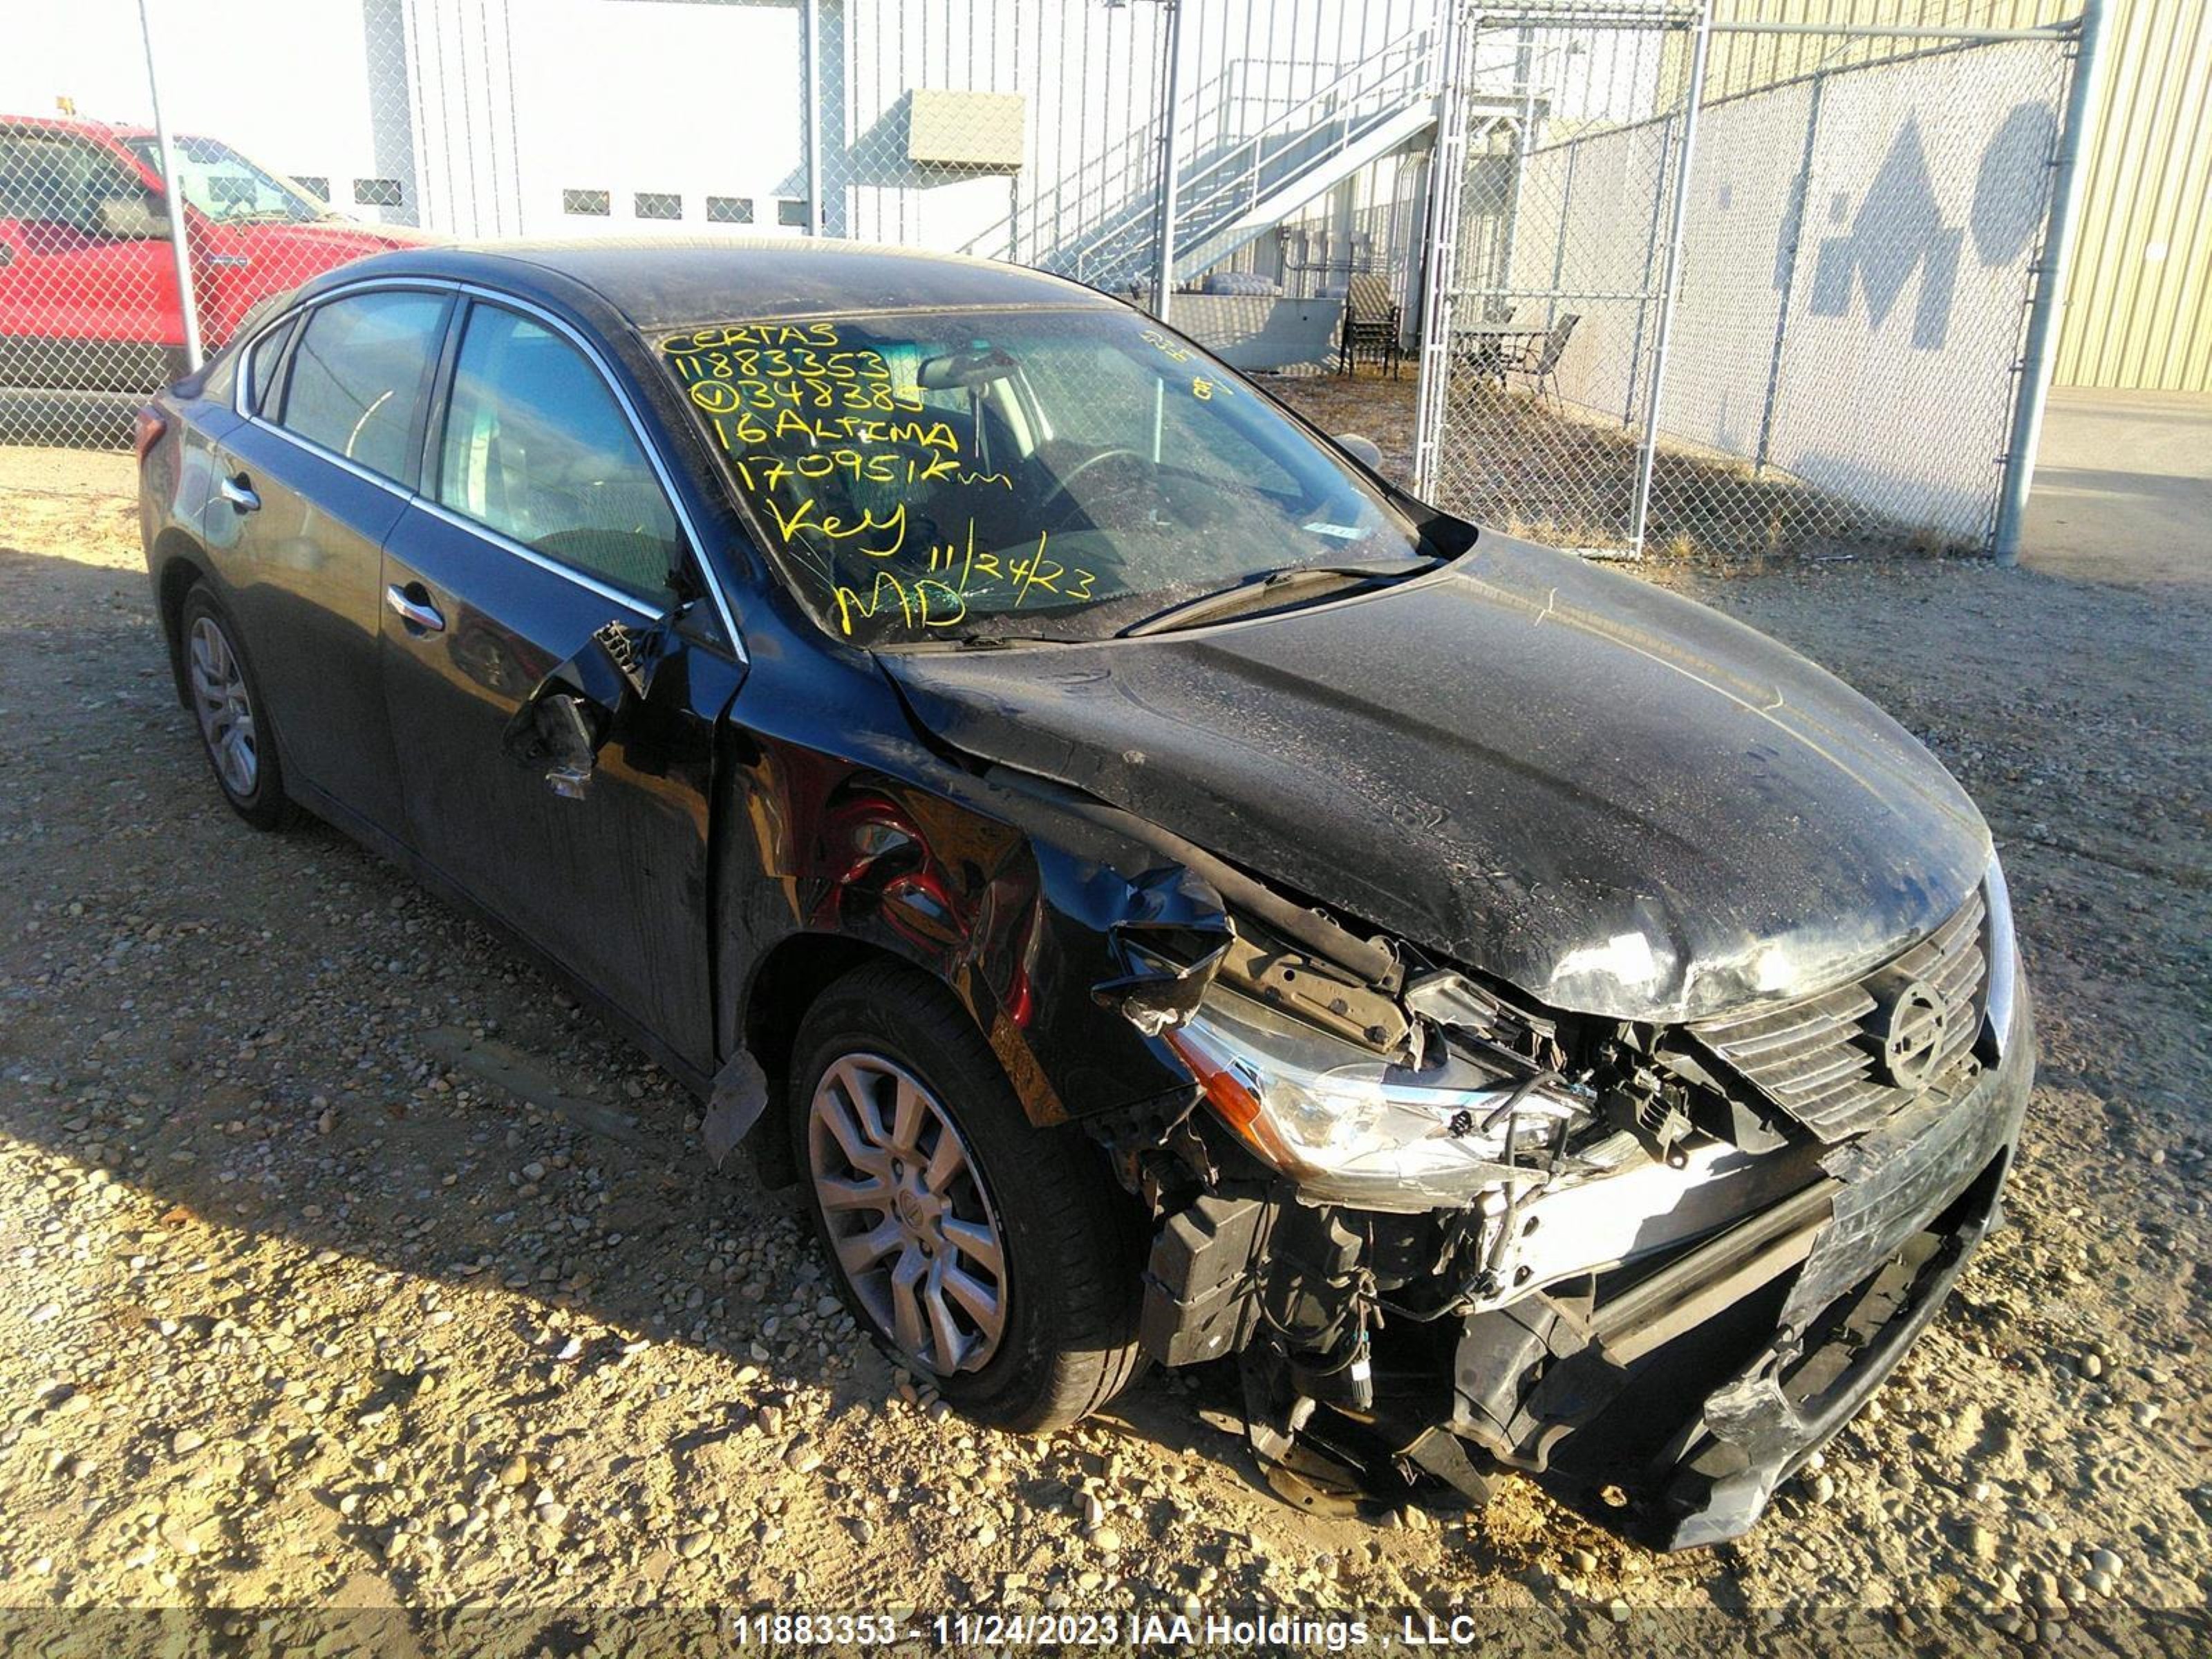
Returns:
(309, 133)
(1738, 287)
(1736, 292)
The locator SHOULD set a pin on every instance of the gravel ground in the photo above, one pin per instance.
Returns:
(343, 1263)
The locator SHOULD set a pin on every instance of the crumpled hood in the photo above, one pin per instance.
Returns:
(1617, 800)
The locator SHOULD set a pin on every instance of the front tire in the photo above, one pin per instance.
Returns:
(993, 1255)
(232, 714)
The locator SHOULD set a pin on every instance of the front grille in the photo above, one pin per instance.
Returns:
(1841, 1061)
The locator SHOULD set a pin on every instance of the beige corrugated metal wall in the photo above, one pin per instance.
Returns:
(2139, 303)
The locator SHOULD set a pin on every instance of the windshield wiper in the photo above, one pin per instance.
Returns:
(1274, 588)
(994, 641)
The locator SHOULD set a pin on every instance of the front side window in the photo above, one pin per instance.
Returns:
(1065, 473)
(361, 373)
(537, 448)
(224, 184)
(53, 182)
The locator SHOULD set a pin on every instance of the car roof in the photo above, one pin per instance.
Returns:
(78, 123)
(672, 282)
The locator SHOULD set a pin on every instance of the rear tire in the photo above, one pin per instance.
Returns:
(235, 730)
(921, 1169)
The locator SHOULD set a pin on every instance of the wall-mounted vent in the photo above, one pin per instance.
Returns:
(980, 131)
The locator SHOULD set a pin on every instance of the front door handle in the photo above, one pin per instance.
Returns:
(240, 495)
(416, 613)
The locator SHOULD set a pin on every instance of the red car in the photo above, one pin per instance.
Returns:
(90, 321)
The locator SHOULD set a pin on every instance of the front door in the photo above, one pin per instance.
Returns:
(540, 521)
(87, 280)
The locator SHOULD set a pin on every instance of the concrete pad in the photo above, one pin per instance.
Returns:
(2123, 488)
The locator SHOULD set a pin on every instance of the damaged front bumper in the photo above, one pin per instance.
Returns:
(1746, 1306)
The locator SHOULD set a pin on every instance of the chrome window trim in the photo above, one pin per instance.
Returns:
(249, 354)
(323, 452)
(646, 445)
(242, 401)
(416, 498)
(242, 398)
(530, 555)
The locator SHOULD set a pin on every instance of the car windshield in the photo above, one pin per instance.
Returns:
(1050, 473)
(223, 184)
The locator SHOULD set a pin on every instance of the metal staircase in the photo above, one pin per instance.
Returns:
(1099, 224)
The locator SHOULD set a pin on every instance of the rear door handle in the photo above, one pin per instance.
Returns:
(416, 613)
(240, 494)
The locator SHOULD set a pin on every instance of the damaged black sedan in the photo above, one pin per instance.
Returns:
(1156, 888)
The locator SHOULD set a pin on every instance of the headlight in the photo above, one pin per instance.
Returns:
(1348, 1126)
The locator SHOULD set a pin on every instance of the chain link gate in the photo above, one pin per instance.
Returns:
(1738, 290)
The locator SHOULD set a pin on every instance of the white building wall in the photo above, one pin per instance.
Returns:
(484, 113)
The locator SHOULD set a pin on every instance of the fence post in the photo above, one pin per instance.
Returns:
(2037, 356)
(1524, 73)
(816, 211)
(1164, 243)
(179, 247)
(1559, 246)
(1800, 204)
(1447, 178)
(1677, 226)
(1650, 252)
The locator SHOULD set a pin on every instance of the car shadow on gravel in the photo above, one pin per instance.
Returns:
(293, 1053)
(310, 1099)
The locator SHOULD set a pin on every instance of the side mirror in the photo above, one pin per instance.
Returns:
(141, 217)
(559, 734)
(1362, 450)
(604, 690)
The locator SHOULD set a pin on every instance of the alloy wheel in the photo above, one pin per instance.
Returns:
(907, 1214)
(224, 707)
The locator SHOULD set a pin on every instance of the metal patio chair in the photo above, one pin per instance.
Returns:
(1540, 366)
(1370, 324)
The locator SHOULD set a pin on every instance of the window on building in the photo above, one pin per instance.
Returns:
(588, 204)
(657, 204)
(791, 212)
(729, 209)
(315, 184)
(377, 193)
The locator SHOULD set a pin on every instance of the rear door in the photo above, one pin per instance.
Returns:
(542, 518)
(311, 484)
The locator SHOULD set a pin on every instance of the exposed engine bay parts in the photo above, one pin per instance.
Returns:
(1443, 1232)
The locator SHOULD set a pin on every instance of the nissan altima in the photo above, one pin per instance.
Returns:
(1158, 889)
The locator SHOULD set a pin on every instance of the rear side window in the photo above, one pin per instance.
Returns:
(360, 374)
(537, 448)
(261, 364)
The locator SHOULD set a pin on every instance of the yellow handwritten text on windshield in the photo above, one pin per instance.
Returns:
(845, 462)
